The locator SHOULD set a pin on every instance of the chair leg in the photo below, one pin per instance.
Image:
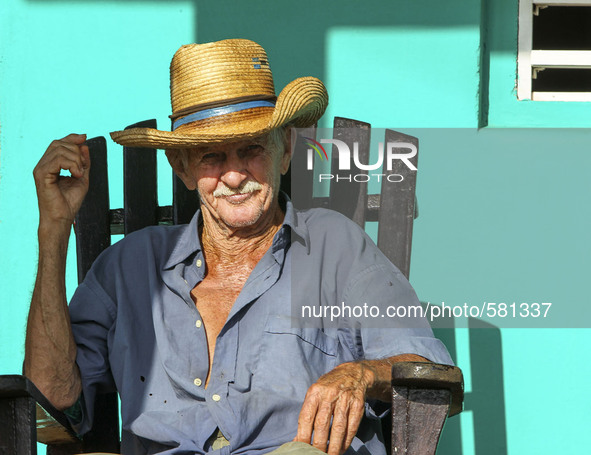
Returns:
(20, 435)
(418, 416)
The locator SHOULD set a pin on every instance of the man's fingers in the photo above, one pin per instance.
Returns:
(61, 156)
(74, 138)
(338, 395)
(322, 425)
(306, 420)
(72, 142)
(339, 428)
(85, 151)
(60, 144)
(356, 411)
(315, 419)
(73, 166)
(49, 172)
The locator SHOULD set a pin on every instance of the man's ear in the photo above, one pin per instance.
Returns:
(288, 148)
(175, 159)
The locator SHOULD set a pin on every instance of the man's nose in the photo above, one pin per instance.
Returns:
(234, 172)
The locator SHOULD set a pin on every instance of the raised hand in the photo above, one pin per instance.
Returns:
(50, 350)
(60, 197)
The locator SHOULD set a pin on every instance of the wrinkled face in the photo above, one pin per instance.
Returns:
(238, 182)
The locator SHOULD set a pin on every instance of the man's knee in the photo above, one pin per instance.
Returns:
(296, 448)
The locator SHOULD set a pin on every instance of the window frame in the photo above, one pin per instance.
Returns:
(529, 59)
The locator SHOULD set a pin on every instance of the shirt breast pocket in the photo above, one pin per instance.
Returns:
(292, 358)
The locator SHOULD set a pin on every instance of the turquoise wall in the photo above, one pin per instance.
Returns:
(496, 222)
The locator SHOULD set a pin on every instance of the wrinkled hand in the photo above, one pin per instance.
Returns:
(60, 197)
(338, 395)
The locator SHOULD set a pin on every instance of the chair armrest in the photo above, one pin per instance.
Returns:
(52, 425)
(427, 375)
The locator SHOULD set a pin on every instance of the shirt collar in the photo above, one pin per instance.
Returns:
(296, 225)
(189, 244)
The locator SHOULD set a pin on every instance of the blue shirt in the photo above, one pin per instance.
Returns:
(138, 330)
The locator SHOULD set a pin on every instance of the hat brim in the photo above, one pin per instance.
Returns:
(301, 103)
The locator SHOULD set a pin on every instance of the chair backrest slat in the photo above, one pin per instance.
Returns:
(184, 202)
(92, 226)
(397, 206)
(93, 235)
(347, 195)
(140, 184)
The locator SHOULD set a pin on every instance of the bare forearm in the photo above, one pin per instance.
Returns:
(50, 350)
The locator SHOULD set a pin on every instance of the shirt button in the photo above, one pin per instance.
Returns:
(199, 263)
(216, 397)
(198, 323)
(197, 382)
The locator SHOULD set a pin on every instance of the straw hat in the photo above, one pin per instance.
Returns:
(223, 92)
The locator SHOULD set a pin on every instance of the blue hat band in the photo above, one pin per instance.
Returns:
(217, 111)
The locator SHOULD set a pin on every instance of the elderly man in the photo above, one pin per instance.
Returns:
(192, 324)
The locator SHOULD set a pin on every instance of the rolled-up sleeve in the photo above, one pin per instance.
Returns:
(92, 315)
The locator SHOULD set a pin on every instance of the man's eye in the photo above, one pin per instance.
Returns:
(253, 149)
(212, 157)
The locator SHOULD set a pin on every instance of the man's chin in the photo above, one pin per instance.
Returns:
(237, 220)
(240, 223)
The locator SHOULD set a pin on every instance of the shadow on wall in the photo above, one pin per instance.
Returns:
(486, 400)
(302, 26)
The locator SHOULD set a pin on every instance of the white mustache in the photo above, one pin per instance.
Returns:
(249, 187)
